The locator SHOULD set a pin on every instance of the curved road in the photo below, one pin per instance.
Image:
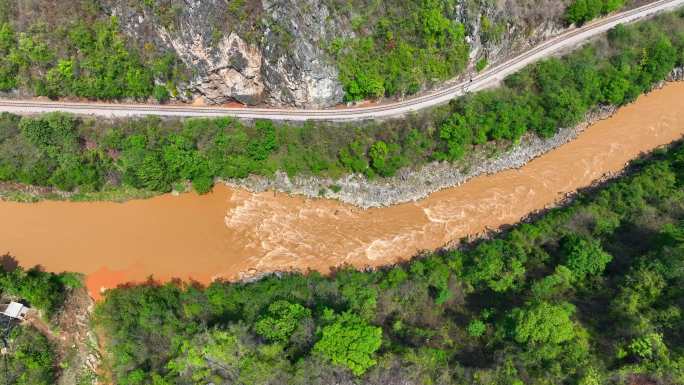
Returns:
(488, 78)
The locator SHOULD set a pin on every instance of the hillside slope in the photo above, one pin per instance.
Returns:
(304, 53)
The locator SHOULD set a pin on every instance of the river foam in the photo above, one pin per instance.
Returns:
(234, 234)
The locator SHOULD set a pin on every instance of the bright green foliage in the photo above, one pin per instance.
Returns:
(161, 93)
(354, 288)
(54, 130)
(673, 234)
(353, 158)
(29, 360)
(584, 257)
(559, 92)
(230, 353)
(407, 45)
(39, 289)
(555, 284)
(477, 328)
(497, 264)
(378, 154)
(641, 289)
(481, 64)
(281, 321)
(648, 346)
(47, 152)
(591, 377)
(543, 323)
(350, 341)
(394, 278)
(76, 49)
(202, 183)
(8, 63)
(385, 159)
(50, 151)
(265, 142)
(457, 135)
(582, 11)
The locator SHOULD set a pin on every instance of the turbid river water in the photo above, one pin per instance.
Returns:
(233, 233)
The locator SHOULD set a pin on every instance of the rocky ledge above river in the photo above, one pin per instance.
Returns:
(415, 184)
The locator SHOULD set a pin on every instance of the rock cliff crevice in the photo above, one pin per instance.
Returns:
(274, 52)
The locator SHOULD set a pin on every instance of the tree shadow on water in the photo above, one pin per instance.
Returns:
(8, 263)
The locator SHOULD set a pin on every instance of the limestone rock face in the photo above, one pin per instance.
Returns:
(296, 71)
(230, 71)
(283, 64)
(273, 52)
(224, 70)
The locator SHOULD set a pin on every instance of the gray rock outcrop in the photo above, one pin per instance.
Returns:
(273, 51)
(298, 73)
(229, 71)
(411, 185)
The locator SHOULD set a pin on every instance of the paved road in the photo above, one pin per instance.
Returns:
(488, 78)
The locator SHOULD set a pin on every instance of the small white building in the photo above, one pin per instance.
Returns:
(14, 310)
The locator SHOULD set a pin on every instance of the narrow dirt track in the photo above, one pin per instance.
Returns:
(486, 79)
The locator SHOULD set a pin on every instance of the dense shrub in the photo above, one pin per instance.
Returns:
(84, 54)
(38, 289)
(408, 45)
(582, 11)
(29, 359)
(564, 299)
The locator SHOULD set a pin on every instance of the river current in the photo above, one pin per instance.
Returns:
(232, 233)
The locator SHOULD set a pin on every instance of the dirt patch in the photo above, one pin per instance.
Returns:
(640, 379)
(75, 344)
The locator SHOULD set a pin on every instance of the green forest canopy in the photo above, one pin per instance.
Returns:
(30, 359)
(582, 11)
(586, 294)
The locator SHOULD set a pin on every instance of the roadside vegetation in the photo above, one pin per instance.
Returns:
(151, 155)
(582, 11)
(30, 358)
(382, 49)
(585, 294)
(399, 48)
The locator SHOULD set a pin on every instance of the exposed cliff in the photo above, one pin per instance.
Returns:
(277, 52)
(272, 55)
(300, 53)
(498, 29)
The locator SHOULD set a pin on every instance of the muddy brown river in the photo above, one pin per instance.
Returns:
(232, 233)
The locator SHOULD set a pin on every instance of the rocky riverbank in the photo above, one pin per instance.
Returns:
(415, 184)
